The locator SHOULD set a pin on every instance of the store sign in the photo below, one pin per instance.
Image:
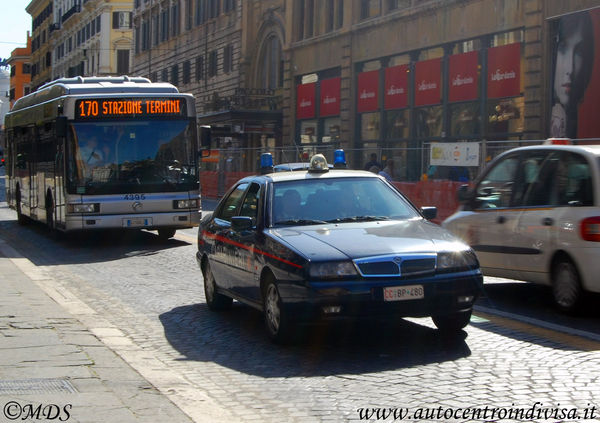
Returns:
(396, 87)
(454, 154)
(305, 101)
(504, 71)
(463, 78)
(368, 83)
(428, 77)
(330, 97)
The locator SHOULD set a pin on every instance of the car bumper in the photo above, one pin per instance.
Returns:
(442, 295)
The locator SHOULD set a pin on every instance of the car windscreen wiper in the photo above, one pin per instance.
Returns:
(358, 219)
(293, 222)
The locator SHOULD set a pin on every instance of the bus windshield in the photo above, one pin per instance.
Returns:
(132, 156)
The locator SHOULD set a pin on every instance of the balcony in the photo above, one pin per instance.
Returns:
(53, 27)
(71, 12)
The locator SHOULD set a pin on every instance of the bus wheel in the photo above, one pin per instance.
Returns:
(21, 219)
(166, 233)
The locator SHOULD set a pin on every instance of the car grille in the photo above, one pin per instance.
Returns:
(405, 265)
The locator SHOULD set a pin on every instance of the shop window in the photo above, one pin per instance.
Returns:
(308, 132)
(428, 122)
(370, 126)
(331, 130)
(464, 119)
(505, 115)
(397, 124)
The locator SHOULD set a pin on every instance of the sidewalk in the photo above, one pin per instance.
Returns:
(53, 368)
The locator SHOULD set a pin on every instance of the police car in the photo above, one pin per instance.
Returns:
(534, 215)
(327, 243)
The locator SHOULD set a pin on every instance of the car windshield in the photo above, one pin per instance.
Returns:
(143, 156)
(337, 200)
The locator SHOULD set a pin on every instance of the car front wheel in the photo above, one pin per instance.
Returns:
(279, 327)
(453, 322)
(566, 287)
(214, 300)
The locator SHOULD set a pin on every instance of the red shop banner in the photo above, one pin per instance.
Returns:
(396, 87)
(428, 77)
(330, 97)
(367, 99)
(504, 71)
(462, 78)
(305, 101)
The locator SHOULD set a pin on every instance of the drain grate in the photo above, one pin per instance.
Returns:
(36, 386)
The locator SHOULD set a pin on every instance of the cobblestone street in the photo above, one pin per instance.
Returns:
(151, 294)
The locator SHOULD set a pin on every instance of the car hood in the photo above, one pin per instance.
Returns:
(355, 240)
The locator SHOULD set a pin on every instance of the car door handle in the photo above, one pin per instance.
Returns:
(547, 221)
(501, 219)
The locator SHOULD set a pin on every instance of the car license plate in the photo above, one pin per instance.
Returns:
(137, 222)
(401, 293)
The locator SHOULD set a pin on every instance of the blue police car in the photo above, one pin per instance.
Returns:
(328, 243)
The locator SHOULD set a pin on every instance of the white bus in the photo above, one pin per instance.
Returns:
(104, 152)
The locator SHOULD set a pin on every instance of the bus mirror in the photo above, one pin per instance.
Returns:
(464, 193)
(205, 137)
(61, 126)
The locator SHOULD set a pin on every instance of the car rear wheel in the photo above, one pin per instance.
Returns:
(279, 326)
(214, 300)
(453, 322)
(566, 287)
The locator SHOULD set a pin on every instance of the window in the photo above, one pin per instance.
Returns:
(199, 68)
(271, 63)
(334, 14)
(251, 202)
(232, 203)
(186, 71)
(98, 20)
(122, 62)
(370, 8)
(398, 4)
(165, 75)
(26, 68)
(212, 63)
(495, 190)
(175, 75)
(228, 5)
(175, 19)
(228, 58)
(121, 20)
(200, 12)
(214, 8)
(188, 14)
(164, 25)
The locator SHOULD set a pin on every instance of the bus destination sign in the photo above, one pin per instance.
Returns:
(102, 108)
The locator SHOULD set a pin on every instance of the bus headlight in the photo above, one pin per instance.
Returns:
(84, 208)
(185, 204)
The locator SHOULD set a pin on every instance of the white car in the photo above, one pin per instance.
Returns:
(534, 215)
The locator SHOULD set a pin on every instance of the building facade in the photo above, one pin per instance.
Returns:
(42, 17)
(229, 54)
(20, 72)
(92, 38)
(437, 81)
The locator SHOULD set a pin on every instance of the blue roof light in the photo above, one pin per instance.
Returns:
(339, 159)
(266, 163)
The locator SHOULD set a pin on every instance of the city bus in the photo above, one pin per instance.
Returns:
(89, 153)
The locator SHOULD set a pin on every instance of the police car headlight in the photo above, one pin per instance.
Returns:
(332, 270)
(457, 260)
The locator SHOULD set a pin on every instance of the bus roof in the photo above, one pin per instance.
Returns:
(92, 85)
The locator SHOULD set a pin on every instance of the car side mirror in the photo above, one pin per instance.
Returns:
(429, 212)
(241, 223)
(464, 193)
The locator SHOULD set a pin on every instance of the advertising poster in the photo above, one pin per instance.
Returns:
(575, 76)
